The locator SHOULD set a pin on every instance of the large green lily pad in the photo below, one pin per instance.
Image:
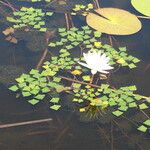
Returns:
(143, 6)
(114, 21)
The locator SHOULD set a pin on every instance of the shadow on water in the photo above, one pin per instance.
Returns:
(69, 131)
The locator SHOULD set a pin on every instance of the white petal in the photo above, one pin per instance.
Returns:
(103, 71)
(84, 64)
(107, 67)
(93, 71)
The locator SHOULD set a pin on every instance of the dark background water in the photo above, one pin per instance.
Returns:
(67, 131)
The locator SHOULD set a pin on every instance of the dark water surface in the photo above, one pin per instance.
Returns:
(68, 131)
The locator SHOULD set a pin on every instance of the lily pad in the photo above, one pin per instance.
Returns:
(114, 21)
(143, 6)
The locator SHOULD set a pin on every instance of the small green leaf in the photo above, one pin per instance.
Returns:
(55, 100)
(49, 13)
(26, 94)
(33, 101)
(97, 34)
(52, 45)
(55, 107)
(56, 79)
(131, 66)
(20, 80)
(117, 113)
(34, 71)
(13, 88)
(143, 106)
(40, 96)
(147, 122)
(86, 78)
(142, 128)
(45, 90)
(131, 105)
(123, 108)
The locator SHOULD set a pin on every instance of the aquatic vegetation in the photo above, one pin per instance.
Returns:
(143, 6)
(113, 21)
(88, 40)
(30, 17)
(145, 126)
(66, 73)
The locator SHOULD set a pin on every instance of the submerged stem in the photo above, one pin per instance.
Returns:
(24, 123)
(125, 134)
(92, 78)
(145, 114)
(9, 5)
(81, 82)
(67, 21)
(112, 139)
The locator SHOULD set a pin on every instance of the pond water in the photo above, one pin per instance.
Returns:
(69, 130)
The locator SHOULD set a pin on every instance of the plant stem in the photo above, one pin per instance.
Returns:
(67, 21)
(92, 78)
(143, 17)
(94, 85)
(112, 140)
(102, 131)
(110, 40)
(145, 114)
(24, 123)
(45, 52)
(42, 59)
(8, 4)
(96, 3)
(126, 134)
(81, 82)
(129, 120)
(70, 17)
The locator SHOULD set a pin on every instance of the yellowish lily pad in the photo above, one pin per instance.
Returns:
(114, 21)
(143, 6)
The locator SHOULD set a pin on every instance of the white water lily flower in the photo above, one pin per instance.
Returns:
(96, 61)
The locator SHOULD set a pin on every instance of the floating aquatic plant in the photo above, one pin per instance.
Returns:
(143, 6)
(30, 17)
(88, 40)
(113, 21)
(88, 92)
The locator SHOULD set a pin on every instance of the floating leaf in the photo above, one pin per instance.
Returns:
(143, 106)
(86, 78)
(55, 107)
(11, 39)
(142, 128)
(26, 94)
(8, 31)
(82, 109)
(114, 21)
(13, 88)
(143, 6)
(55, 100)
(147, 122)
(76, 72)
(40, 96)
(33, 101)
(117, 113)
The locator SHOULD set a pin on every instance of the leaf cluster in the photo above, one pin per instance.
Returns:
(30, 17)
(36, 85)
